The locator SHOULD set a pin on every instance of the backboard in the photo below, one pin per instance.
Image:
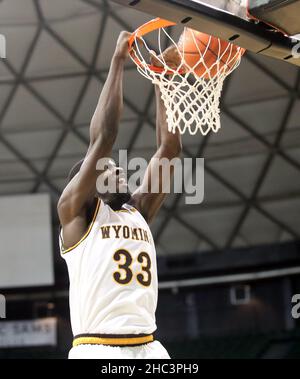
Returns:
(226, 19)
(235, 7)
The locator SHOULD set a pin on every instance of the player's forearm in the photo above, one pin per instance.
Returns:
(105, 121)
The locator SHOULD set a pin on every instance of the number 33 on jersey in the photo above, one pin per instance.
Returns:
(143, 278)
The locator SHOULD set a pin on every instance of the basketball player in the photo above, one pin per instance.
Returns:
(106, 240)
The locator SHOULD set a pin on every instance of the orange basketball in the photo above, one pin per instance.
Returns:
(193, 45)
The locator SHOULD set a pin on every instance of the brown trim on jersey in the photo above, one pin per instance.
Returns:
(88, 231)
(132, 209)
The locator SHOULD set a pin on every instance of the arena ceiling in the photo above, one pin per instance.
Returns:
(58, 54)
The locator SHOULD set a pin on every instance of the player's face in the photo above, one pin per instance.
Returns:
(116, 176)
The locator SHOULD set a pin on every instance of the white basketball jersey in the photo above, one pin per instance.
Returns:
(113, 275)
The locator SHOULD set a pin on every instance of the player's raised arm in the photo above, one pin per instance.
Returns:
(169, 147)
(80, 192)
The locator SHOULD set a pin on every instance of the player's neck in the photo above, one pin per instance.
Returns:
(118, 202)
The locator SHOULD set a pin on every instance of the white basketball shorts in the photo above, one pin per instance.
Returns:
(152, 350)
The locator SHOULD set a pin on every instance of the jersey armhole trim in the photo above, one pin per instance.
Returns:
(87, 233)
(136, 210)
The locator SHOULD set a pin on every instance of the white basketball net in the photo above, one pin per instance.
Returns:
(192, 101)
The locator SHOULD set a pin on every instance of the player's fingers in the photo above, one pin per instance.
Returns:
(140, 41)
(155, 59)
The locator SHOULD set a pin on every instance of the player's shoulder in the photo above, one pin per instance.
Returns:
(136, 204)
(74, 234)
